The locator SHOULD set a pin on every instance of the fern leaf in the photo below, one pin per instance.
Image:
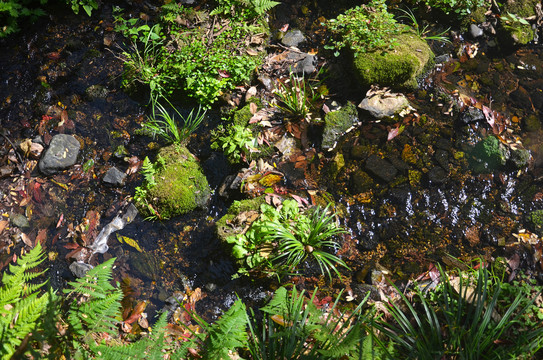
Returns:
(228, 333)
(96, 282)
(20, 305)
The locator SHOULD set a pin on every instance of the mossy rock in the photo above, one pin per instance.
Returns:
(536, 221)
(521, 8)
(520, 34)
(181, 186)
(337, 123)
(226, 225)
(493, 153)
(400, 67)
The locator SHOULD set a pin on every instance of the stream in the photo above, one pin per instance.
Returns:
(62, 75)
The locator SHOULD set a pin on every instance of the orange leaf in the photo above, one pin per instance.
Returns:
(3, 225)
(42, 234)
(27, 240)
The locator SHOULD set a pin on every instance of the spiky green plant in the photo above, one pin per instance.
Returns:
(21, 305)
(462, 323)
(296, 97)
(424, 31)
(307, 236)
(161, 123)
(294, 328)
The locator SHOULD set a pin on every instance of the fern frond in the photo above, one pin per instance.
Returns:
(96, 282)
(260, 6)
(20, 305)
(228, 333)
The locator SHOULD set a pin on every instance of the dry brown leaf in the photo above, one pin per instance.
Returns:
(27, 240)
(3, 225)
(42, 235)
(253, 108)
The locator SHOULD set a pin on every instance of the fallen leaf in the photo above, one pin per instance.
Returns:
(129, 241)
(252, 52)
(3, 225)
(40, 238)
(253, 108)
(27, 240)
(136, 313)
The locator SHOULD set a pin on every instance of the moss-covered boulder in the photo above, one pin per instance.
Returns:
(535, 220)
(337, 123)
(397, 68)
(178, 185)
(490, 153)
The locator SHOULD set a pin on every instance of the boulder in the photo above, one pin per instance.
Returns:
(384, 104)
(399, 67)
(293, 38)
(61, 154)
(114, 177)
(380, 168)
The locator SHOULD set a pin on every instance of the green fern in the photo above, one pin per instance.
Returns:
(97, 305)
(20, 304)
(260, 6)
(228, 333)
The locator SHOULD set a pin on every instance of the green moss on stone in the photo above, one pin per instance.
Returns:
(521, 34)
(224, 226)
(520, 8)
(399, 67)
(536, 221)
(181, 186)
(337, 123)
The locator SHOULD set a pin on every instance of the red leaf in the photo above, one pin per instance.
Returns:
(36, 193)
(284, 28)
(393, 133)
(42, 235)
(60, 220)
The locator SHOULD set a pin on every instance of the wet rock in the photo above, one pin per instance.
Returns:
(114, 177)
(80, 269)
(471, 115)
(437, 175)
(520, 158)
(293, 38)
(94, 92)
(61, 154)
(491, 151)
(307, 65)
(380, 168)
(475, 31)
(337, 164)
(443, 144)
(398, 163)
(442, 59)
(337, 123)
(287, 146)
(360, 291)
(359, 152)
(442, 158)
(266, 81)
(383, 105)
(19, 220)
(361, 182)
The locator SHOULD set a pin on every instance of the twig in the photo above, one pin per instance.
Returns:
(14, 148)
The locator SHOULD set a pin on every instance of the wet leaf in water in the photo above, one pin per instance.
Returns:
(27, 240)
(42, 235)
(3, 225)
(136, 313)
(129, 241)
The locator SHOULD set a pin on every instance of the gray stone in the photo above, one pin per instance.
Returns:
(266, 81)
(471, 115)
(384, 105)
(114, 177)
(19, 220)
(80, 269)
(307, 65)
(520, 158)
(475, 31)
(293, 38)
(380, 168)
(61, 154)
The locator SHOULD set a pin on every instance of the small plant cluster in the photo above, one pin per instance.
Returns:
(11, 11)
(364, 28)
(283, 237)
(461, 8)
(148, 170)
(297, 96)
(163, 124)
(237, 142)
(202, 53)
(474, 315)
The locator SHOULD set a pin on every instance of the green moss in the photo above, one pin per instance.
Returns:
(491, 151)
(536, 221)
(520, 33)
(532, 123)
(180, 186)
(337, 123)
(242, 116)
(223, 225)
(399, 67)
(521, 8)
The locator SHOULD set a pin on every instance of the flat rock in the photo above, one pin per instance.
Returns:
(19, 220)
(114, 177)
(380, 168)
(384, 105)
(61, 154)
(293, 38)
(80, 269)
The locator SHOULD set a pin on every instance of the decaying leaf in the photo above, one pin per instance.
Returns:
(129, 241)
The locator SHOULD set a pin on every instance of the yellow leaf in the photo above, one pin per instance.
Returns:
(129, 241)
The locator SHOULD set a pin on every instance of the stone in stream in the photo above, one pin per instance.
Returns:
(114, 177)
(337, 123)
(293, 38)
(471, 115)
(61, 154)
(380, 168)
(475, 31)
(80, 269)
(383, 104)
(19, 220)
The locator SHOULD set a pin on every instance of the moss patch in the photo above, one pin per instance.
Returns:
(226, 225)
(180, 186)
(399, 67)
(337, 123)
